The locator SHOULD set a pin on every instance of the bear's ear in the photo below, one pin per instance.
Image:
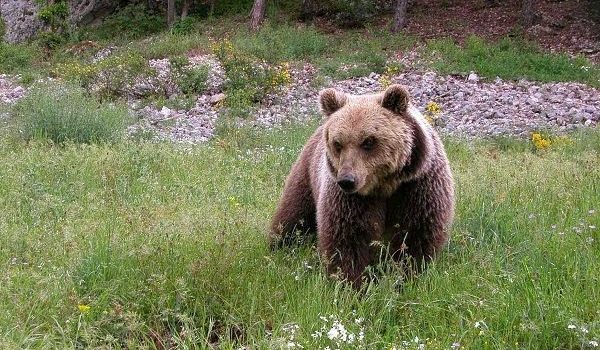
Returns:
(331, 100)
(423, 145)
(395, 98)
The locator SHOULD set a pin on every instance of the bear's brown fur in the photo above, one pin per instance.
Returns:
(374, 171)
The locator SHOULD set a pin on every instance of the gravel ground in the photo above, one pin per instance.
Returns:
(470, 106)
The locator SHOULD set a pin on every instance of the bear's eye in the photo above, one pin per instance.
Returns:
(337, 146)
(368, 143)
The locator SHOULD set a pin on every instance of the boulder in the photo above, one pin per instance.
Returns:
(20, 19)
(22, 23)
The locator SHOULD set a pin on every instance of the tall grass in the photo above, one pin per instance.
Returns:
(15, 58)
(510, 59)
(283, 42)
(157, 246)
(62, 112)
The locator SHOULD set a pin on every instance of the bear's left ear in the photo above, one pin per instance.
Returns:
(395, 98)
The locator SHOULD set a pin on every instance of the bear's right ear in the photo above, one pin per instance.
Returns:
(331, 100)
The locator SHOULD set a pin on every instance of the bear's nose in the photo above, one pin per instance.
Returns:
(347, 183)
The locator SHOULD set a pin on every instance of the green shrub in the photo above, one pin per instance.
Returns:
(55, 15)
(50, 41)
(130, 22)
(248, 81)
(191, 80)
(183, 26)
(67, 113)
(283, 42)
(16, 57)
(106, 78)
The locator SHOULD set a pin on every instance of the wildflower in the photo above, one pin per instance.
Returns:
(480, 324)
(593, 343)
(455, 345)
(540, 142)
(84, 308)
(571, 326)
(432, 112)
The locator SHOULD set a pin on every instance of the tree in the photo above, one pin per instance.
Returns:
(257, 15)
(186, 8)
(170, 13)
(399, 15)
(528, 14)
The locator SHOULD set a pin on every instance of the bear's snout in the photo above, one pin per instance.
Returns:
(347, 183)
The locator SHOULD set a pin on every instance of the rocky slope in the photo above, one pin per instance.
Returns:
(465, 106)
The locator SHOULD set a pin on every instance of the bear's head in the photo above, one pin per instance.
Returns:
(374, 142)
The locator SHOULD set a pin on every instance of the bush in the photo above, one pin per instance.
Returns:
(107, 77)
(248, 81)
(284, 42)
(66, 113)
(131, 22)
(191, 80)
(183, 26)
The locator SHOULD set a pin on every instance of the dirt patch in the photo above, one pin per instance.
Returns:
(571, 26)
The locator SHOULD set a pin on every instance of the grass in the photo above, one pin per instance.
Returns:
(166, 246)
(510, 59)
(283, 43)
(62, 113)
(14, 57)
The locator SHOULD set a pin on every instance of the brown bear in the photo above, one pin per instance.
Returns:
(374, 171)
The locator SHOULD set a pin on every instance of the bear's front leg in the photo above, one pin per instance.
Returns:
(347, 224)
(294, 219)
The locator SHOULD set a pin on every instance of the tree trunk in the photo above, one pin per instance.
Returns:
(528, 13)
(170, 13)
(257, 15)
(400, 15)
(211, 12)
(186, 8)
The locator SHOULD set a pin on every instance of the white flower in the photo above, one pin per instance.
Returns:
(455, 345)
(593, 343)
(572, 326)
(480, 324)
(291, 345)
(584, 330)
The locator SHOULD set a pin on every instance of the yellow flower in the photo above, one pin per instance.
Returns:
(540, 142)
(385, 80)
(433, 108)
(83, 308)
